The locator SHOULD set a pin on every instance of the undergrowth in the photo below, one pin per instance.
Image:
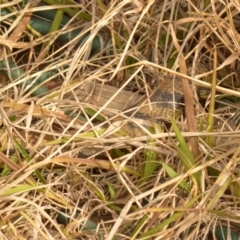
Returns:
(69, 167)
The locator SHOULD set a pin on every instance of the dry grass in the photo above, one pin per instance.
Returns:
(150, 187)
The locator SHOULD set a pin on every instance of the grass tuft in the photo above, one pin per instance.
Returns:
(69, 166)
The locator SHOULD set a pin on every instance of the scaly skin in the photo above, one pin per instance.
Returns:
(168, 100)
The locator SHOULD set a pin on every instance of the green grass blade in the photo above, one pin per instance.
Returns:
(139, 226)
(112, 191)
(161, 226)
(171, 173)
(27, 159)
(185, 153)
(150, 164)
(165, 223)
(209, 139)
(18, 189)
(6, 170)
(92, 112)
(190, 162)
(71, 11)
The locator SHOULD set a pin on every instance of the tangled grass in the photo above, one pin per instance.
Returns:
(179, 182)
